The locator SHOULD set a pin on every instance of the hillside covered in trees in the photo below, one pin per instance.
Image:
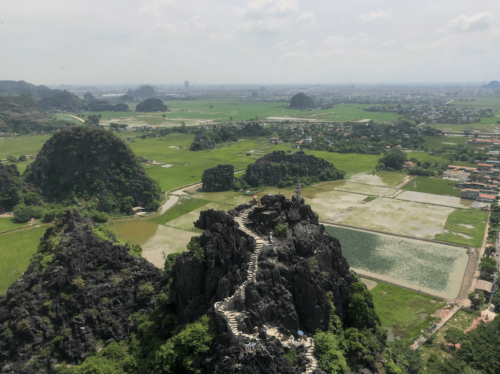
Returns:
(280, 169)
(208, 139)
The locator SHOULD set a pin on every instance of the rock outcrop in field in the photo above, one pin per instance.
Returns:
(301, 101)
(279, 169)
(219, 178)
(151, 105)
(90, 162)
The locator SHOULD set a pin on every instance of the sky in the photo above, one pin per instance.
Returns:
(249, 41)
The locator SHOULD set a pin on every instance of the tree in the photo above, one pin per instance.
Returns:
(394, 159)
(476, 300)
(22, 158)
(496, 301)
(11, 158)
(453, 335)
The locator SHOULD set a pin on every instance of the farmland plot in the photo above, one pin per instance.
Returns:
(428, 198)
(436, 269)
(399, 217)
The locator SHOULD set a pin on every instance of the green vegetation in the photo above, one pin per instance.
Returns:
(183, 206)
(7, 224)
(16, 249)
(369, 198)
(22, 145)
(406, 312)
(432, 185)
(281, 230)
(195, 247)
(468, 222)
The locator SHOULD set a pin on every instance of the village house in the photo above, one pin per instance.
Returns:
(486, 198)
(409, 165)
(276, 140)
(485, 167)
(469, 193)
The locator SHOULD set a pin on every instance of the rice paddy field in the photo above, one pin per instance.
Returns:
(7, 224)
(403, 313)
(22, 145)
(433, 186)
(217, 110)
(428, 198)
(16, 249)
(433, 268)
(465, 227)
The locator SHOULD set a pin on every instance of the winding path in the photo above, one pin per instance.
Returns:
(226, 307)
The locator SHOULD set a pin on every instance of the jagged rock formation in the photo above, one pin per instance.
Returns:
(219, 178)
(279, 168)
(151, 105)
(260, 272)
(144, 92)
(80, 290)
(90, 162)
(61, 100)
(301, 101)
(88, 97)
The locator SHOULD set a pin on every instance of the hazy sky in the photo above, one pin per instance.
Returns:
(249, 41)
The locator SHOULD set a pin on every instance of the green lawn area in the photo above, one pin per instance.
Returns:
(441, 142)
(471, 223)
(350, 162)
(480, 102)
(432, 185)
(184, 206)
(7, 224)
(16, 249)
(189, 166)
(22, 145)
(406, 312)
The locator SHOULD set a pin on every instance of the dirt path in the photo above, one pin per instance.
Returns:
(75, 117)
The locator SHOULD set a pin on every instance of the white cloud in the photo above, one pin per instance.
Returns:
(295, 54)
(280, 46)
(193, 26)
(268, 8)
(300, 43)
(372, 16)
(155, 8)
(307, 17)
(480, 21)
(264, 27)
(248, 52)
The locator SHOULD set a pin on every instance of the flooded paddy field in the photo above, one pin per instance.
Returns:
(428, 198)
(366, 189)
(433, 268)
(399, 217)
(156, 240)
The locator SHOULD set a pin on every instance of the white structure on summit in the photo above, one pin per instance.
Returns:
(298, 191)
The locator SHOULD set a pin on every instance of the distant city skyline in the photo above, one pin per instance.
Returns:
(250, 42)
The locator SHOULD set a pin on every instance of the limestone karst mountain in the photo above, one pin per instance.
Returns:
(249, 296)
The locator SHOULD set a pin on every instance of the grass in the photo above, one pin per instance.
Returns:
(454, 224)
(406, 312)
(16, 249)
(351, 163)
(369, 198)
(22, 145)
(440, 142)
(7, 224)
(224, 110)
(183, 207)
(390, 179)
(432, 185)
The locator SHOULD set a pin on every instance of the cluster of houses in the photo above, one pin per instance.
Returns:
(483, 192)
(435, 113)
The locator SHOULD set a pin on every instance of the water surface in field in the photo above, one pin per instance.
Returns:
(157, 241)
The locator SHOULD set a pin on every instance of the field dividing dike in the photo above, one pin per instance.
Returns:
(393, 234)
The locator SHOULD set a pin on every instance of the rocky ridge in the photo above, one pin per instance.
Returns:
(79, 290)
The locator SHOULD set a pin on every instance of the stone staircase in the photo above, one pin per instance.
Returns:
(231, 316)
